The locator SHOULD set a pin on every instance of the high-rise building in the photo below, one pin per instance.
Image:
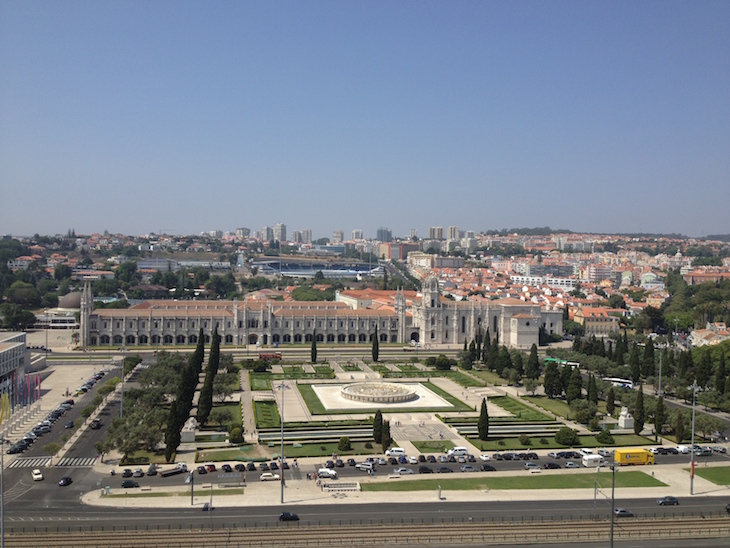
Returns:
(296, 236)
(357, 234)
(267, 234)
(306, 235)
(414, 234)
(384, 234)
(280, 232)
(436, 233)
(242, 233)
(338, 236)
(453, 233)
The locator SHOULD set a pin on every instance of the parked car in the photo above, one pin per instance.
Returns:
(129, 484)
(227, 468)
(403, 470)
(672, 451)
(329, 464)
(351, 462)
(127, 473)
(210, 467)
(484, 457)
(273, 465)
(285, 465)
(623, 513)
(532, 466)
(288, 516)
(571, 464)
(268, 476)
(251, 466)
(431, 459)
(339, 463)
(412, 460)
(264, 466)
(551, 466)
(202, 470)
(240, 467)
(444, 470)
(488, 468)
(138, 473)
(468, 468)
(152, 470)
(37, 475)
(668, 501)
(425, 469)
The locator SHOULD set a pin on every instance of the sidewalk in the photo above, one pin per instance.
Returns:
(303, 491)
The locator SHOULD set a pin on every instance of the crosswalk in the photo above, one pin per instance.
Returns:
(44, 462)
(30, 462)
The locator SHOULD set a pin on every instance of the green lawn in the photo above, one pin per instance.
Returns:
(259, 381)
(222, 455)
(519, 409)
(528, 481)
(351, 367)
(718, 476)
(267, 414)
(433, 446)
(556, 407)
(490, 377)
(325, 450)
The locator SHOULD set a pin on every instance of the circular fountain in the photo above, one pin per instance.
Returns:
(379, 392)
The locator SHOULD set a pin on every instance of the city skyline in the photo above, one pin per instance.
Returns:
(180, 118)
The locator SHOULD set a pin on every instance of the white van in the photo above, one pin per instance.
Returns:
(395, 452)
(364, 466)
(327, 473)
(585, 452)
(593, 461)
(458, 452)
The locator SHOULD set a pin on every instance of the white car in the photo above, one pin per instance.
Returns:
(683, 449)
(268, 476)
(402, 471)
(413, 460)
(484, 457)
(571, 464)
(37, 475)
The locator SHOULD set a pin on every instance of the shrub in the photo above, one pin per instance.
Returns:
(605, 437)
(368, 445)
(500, 442)
(344, 444)
(566, 436)
(236, 435)
(524, 439)
(543, 441)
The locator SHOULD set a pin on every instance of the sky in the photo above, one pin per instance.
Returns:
(185, 116)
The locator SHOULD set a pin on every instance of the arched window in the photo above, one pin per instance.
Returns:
(275, 338)
(143, 339)
(394, 338)
(105, 339)
(287, 338)
(341, 338)
(118, 339)
(362, 338)
(308, 337)
(131, 339)
(351, 337)
(383, 337)
(93, 341)
(155, 339)
(297, 338)
(320, 337)
(180, 339)
(229, 339)
(167, 339)
(330, 338)
(193, 339)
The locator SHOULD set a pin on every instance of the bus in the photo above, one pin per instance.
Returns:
(620, 383)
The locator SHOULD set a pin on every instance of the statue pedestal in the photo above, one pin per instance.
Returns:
(187, 434)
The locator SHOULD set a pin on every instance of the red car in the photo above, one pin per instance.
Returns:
(210, 467)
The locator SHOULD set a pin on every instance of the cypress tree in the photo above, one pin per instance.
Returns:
(660, 416)
(376, 346)
(639, 412)
(720, 373)
(378, 427)
(205, 399)
(575, 386)
(386, 440)
(483, 424)
(486, 349)
(565, 372)
(552, 384)
(313, 351)
(517, 363)
(592, 389)
(679, 427)
(635, 364)
(610, 401)
(648, 361)
(532, 371)
(704, 369)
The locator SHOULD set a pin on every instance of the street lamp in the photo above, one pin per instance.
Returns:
(121, 405)
(613, 502)
(282, 387)
(692, 444)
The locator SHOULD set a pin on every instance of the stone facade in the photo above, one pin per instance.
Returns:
(399, 316)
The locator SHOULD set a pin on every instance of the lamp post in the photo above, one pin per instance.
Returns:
(2, 492)
(692, 444)
(613, 503)
(121, 405)
(283, 388)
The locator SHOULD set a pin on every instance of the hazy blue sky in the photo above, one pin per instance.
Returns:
(141, 116)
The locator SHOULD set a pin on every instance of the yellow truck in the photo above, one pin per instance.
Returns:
(625, 457)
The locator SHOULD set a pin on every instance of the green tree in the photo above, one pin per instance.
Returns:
(592, 389)
(703, 372)
(532, 370)
(639, 411)
(635, 363)
(205, 398)
(553, 386)
(220, 415)
(566, 436)
(721, 373)
(376, 345)
(604, 437)
(575, 386)
(15, 318)
(660, 415)
(313, 351)
(344, 444)
(386, 439)
(648, 360)
(680, 427)
(531, 385)
(378, 427)
(610, 401)
(483, 423)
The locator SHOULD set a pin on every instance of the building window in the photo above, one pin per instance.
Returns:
(463, 324)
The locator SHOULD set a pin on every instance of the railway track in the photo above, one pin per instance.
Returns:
(466, 534)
